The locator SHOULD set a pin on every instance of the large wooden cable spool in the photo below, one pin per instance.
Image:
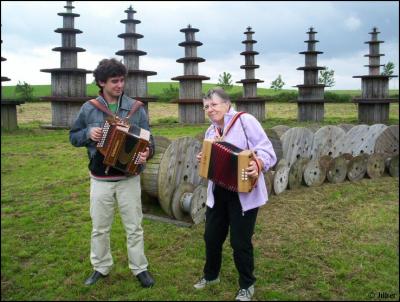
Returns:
(281, 177)
(178, 165)
(352, 142)
(180, 204)
(198, 204)
(269, 181)
(360, 139)
(296, 173)
(375, 165)
(280, 129)
(392, 165)
(161, 143)
(337, 169)
(357, 167)
(149, 177)
(388, 141)
(314, 173)
(314, 127)
(275, 140)
(324, 161)
(297, 142)
(189, 202)
(370, 140)
(324, 140)
(346, 127)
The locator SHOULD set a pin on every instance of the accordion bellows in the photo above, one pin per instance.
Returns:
(120, 144)
(225, 165)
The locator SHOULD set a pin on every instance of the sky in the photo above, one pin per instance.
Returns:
(280, 27)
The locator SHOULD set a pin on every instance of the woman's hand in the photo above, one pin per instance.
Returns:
(198, 156)
(252, 169)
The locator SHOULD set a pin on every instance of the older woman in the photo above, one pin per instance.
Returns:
(228, 209)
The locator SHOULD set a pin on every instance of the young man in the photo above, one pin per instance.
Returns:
(113, 186)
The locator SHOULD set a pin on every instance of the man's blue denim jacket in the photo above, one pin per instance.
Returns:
(89, 116)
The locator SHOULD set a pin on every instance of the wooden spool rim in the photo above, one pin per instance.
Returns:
(357, 167)
(199, 196)
(319, 171)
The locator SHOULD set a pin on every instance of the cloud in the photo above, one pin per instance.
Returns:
(280, 29)
(352, 23)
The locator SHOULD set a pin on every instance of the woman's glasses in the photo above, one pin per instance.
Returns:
(212, 106)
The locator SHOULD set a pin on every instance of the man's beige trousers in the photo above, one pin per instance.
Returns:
(104, 195)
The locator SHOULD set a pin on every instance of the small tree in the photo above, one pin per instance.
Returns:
(225, 81)
(326, 77)
(277, 84)
(24, 91)
(388, 69)
(170, 93)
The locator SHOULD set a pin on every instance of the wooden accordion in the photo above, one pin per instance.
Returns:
(225, 165)
(121, 143)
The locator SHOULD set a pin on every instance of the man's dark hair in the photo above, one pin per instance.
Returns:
(108, 68)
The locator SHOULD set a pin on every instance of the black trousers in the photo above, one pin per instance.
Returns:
(227, 213)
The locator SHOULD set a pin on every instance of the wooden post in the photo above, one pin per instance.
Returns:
(68, 83)
(136, 80)
(190, 100)
(373, 105)
(310, 102)
(250, 102)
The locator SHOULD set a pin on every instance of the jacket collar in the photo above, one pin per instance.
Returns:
(122, 101)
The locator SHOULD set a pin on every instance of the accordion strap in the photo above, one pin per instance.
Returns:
(101, 107)
(229, 126)
(134, 108)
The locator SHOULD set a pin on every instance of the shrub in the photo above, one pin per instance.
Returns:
(285, 96)
(225, 81)
(169, 94)
(278, 83)
(24, 91)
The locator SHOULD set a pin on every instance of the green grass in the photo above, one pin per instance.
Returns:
(333, 242)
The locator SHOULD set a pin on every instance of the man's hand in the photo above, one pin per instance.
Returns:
(96, 133)
(144, 155)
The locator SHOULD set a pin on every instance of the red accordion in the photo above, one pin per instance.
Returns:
(121, 143)
(225, 165)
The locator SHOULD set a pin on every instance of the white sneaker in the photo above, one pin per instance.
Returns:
(245, 294)
(202, 283)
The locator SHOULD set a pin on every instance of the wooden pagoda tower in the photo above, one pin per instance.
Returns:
(68, 83)
(190, 102)
(250, 102)
(8, 107)
(373, 105)
(136, 80)
(310, 102)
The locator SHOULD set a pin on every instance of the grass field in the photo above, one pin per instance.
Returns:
(157, 89)
(33, 114)
(333, 242)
